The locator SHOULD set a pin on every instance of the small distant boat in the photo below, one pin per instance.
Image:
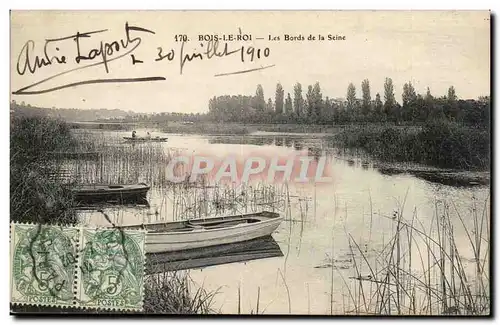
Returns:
(114, 192)
(199, 233)
(145, 139)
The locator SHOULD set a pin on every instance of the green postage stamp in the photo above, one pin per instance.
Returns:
(77, 267)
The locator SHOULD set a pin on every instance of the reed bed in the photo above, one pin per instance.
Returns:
(123, 163)
(437, 143)
(187, 201)
(134, 163)
(35, 194)
(176, 293)
(424, 270)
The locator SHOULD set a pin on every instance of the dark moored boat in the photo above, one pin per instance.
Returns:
(145, 139)
(101, 192)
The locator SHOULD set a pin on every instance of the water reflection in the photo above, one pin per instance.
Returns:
(139, 204)
(357, 158)
(259, 248)
(259, 140)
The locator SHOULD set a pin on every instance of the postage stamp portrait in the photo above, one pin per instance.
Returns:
(77, 267)
(43, 264)
(111, 274)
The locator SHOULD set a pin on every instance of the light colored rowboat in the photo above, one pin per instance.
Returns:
(199, 233)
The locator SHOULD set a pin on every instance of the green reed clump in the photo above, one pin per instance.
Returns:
(175, 293)
(438, 143)
(35, 193)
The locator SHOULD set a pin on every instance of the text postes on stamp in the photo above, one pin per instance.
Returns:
(43, 264)
(77, 267)
(111, 270)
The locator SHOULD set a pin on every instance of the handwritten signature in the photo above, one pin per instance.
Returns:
(29, 63)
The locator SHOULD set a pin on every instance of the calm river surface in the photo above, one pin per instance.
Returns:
(357, 206)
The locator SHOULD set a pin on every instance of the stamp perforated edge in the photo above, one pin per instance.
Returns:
(12, 241)
(79, 275)
(76, 274)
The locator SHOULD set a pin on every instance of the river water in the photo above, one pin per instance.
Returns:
(357, 211)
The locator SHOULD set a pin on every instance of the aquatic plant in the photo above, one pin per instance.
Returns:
(176, 293)
(443, 282)
(437, 143)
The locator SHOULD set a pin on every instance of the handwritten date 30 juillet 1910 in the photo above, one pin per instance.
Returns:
(86, 56)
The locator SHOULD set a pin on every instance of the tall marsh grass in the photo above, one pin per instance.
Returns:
(425, 270)
(35, 195)
(439, 143)
(176, 293)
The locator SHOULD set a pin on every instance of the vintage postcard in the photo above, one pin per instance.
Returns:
(250, 162)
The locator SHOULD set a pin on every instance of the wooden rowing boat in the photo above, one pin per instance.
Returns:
(114, 192)
(145, 139)
(198, 233)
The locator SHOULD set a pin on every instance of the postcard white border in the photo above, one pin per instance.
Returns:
(190, 5)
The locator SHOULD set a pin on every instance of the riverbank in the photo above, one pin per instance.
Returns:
(439, 144)
(209, 128)
(438, 175)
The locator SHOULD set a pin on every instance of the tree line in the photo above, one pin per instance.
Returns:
(302, 106)
(316, 109)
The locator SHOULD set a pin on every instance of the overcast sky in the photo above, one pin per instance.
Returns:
(435, 49)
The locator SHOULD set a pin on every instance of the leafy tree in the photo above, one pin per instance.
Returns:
(428, 95)
(288, 105)
(212, 105)
(409, 94)
(309, 102)
(452, 96)
(451, 108)
(351, 97)
(409, 102)
(378, 106)
(367, 99)
(298, 101)
(260, 102)
(278, 102)
(389, 99)
(317, 102)
(269, 105)
(329, 111)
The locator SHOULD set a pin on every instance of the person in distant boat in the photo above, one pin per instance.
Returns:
(133, 134)
(148, 135)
